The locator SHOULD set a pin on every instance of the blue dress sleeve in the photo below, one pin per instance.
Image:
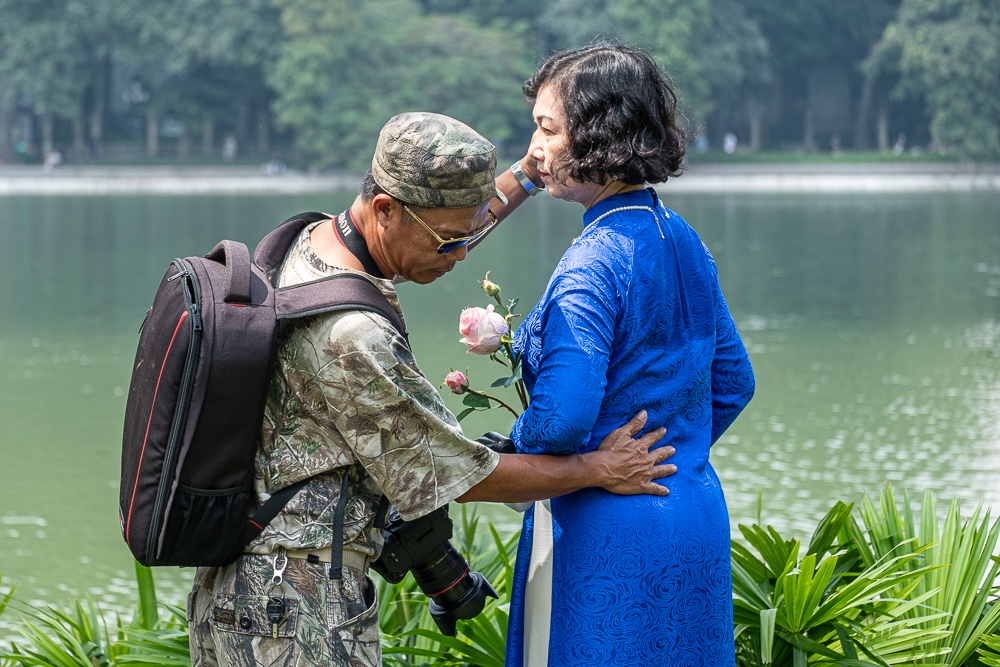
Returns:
(732, 375)
(578, 330)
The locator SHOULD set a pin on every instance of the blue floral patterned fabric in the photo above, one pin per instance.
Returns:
(631, 321)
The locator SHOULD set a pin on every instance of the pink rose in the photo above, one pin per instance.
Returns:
(457, 382)
(481, 329)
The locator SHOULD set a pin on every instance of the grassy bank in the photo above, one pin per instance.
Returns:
(878, 584)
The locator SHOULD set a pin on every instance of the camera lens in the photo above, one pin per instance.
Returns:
(455, 592)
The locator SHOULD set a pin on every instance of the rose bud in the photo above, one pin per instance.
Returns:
(490, 287)
(457, 382)
(481, 330)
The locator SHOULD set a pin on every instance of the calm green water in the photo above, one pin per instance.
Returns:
(873, 324)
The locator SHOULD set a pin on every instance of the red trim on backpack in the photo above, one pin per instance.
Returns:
(128, 523)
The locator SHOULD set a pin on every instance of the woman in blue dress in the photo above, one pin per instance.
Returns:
(632, 319)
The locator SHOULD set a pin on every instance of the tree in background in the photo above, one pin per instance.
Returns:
(329, 73)
(812, 42)
(347, 67)
(715, 53)
(207, 66)
(56, 55)
(948, 52)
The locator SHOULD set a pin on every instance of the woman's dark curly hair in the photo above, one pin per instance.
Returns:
(620, 113)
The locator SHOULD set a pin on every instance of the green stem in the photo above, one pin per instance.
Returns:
(492, 398)
(522, 393)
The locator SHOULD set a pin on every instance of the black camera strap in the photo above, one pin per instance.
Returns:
(383, 509)
(337, 547)
(350, 235)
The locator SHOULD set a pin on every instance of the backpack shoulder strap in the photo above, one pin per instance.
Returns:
(340, 292)
(271, 251)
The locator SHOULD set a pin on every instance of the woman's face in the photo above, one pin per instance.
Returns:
(549, 144)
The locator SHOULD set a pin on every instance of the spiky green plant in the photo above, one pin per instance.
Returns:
(962, 571)
(989, 651)
(791, 609)
(79, 637)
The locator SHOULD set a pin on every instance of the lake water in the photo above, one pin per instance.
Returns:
(873, 323)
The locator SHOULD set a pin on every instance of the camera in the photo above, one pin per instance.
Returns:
(423, 546)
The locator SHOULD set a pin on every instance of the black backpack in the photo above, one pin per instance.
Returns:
(196, 399)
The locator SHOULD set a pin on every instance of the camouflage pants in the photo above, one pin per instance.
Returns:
(326, 622)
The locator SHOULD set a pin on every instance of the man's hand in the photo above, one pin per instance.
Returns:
(622, 464)
(627, 466)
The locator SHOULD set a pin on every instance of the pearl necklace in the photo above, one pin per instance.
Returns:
(618, 210)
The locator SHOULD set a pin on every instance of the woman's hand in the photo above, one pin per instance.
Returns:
(627, 466)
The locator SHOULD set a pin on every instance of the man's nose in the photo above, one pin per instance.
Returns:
(459, 253)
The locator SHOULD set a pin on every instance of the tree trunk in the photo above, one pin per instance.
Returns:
(756, 114)
(207, 136)
(864, 106)
(242, 114)
(808, 133)
(79, 142)
(883, 128)
(152, 134)
(184, 145)
(6, 125)
(808, 124)
(96, 132)
(262, 132)
(47, 144)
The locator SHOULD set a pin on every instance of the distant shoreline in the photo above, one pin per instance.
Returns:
(700, 178)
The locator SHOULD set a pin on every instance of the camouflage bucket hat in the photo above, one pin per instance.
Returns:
(432, 160)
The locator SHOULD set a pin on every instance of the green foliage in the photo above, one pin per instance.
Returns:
(79, 637)
(948, 52)
(962, 571)
(51, 52)
(715, 53)
(894, 588)
(788, 608)
(347, 67)
(989, 652)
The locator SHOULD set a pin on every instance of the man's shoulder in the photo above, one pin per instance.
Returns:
(351, 333)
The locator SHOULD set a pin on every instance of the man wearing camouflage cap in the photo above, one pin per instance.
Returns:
(347, 399)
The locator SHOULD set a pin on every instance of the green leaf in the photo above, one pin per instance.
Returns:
(476, 401)
(501, 382)
(767, 633)
(828, 528)
(148, 616)
(465, 413)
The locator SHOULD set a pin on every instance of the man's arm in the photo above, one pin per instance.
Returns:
(513, 190)
(622, 464)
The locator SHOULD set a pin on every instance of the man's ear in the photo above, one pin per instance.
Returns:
(383, 206)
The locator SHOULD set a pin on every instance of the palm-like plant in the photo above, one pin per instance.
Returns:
(989, 652)
(788, 608)
(961, 568)
(78, 636)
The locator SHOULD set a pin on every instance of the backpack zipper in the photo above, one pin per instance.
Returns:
(192, 299)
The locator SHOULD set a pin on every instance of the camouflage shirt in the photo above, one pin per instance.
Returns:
(347, 395)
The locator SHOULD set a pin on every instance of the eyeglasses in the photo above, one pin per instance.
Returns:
(444, 247)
